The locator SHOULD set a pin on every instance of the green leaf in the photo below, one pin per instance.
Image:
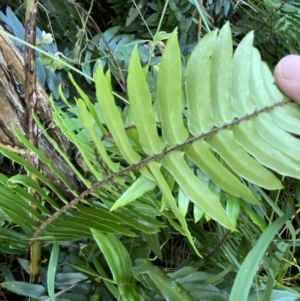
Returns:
(24, 289)
(200, 153)
(156, 279)
(141, 107)
(264, 153)
(222, 109)
(240, 162)
(141, 186)
(240, 77)
(162, 184)
(195, 189)
(198, 86)
(52, 270)
(113, 118)
(244, 278)
(169, 93)
(90, 125)
(116, 256)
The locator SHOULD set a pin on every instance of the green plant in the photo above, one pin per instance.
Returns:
(199, 151)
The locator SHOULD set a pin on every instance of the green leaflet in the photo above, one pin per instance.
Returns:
(197, 192)
(89, 122)
(233, 208)
(200, 153)
(278, 138)
(52, 270)
(241, 163)
(141, 107)
(153, 277)
(28, 182)
(141, 186)
(240, 77)
(14, 157)
(247, 136)
(258, 92)
(112, 117)
(269, 84)
(220, 74)
(167, 194)
(88, 103)
(116, 256)
(198, 86)
(282, 118)
(82, 224)
(244, 278)
(169, 94)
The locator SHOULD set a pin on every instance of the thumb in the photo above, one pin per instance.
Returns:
(287, 76)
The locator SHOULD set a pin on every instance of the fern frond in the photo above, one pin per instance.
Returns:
(236, 128)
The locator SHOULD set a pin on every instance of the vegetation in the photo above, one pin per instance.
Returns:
(185, 153)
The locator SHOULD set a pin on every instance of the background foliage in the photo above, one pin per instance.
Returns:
(147, 250)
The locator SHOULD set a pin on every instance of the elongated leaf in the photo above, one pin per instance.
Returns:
(244, 278)
(52, 270)
(244, 165)
(240, 81)
(24, 289)
(141, 107)
(202, 156)
(221, 106)
(112, 117)
(155, 278)
(116, 256)
(198, 86)
(196, 190)
(136, 190)
(89, 122)
(264, 152)
(169, 94)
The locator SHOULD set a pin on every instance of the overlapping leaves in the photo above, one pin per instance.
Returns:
(226, 126)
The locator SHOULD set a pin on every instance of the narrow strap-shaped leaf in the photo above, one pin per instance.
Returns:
(88, 104)
(259, 94)
(113, 117)
(220, 74)
(269, 82)
(141, 186)
(244, 278)
(197, 192)
(169, 93)
(183, 202)
(141, 107)
(81, 142)
(200, 153)
(116, 256)
(134, 221)
(58, 148)
(158, 281)
(23, 193)
(86, 224)
(285, 120)
(52, 270)
(240, 77)
(237, 158)
(28, 182)
(198, 86)
(89, 122)
(275, 136)
(162, 184)
(14, 157)
(260, 149)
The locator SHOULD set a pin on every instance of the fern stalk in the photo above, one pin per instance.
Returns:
(32, 130)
